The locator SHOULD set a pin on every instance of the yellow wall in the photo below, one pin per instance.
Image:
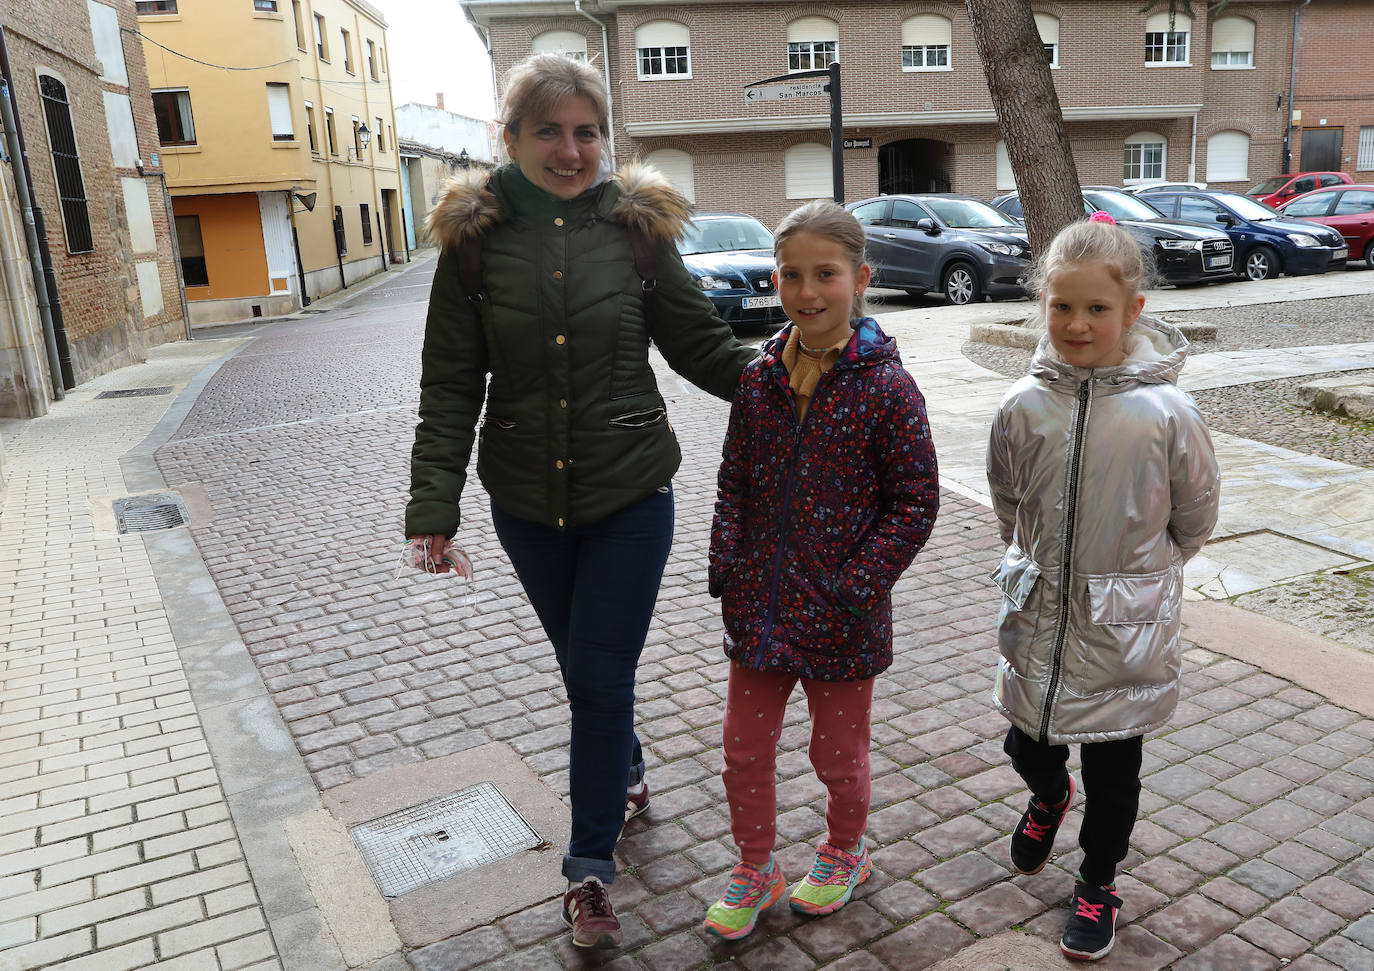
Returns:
(231, 229)
(235, 151)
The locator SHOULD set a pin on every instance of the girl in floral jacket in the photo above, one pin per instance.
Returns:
(827, 490)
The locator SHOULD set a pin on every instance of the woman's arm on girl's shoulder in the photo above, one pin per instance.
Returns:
(695, 342)
(909, 482)
(732, 493)
(453, 379)
(1194, 480)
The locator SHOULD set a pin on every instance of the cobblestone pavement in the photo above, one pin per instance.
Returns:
(1258, 809)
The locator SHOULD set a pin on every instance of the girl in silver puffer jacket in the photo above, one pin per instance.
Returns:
(1104, 483)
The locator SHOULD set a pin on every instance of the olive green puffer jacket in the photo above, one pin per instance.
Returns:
(574, 427)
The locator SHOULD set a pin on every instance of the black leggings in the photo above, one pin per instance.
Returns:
(1111, 790)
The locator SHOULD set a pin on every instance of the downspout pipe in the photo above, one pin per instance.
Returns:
(1292, 83)
(1192, 153)
(23, 184)
(606, 66)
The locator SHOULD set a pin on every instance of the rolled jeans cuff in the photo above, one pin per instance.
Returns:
(579, 868)
(636, 775)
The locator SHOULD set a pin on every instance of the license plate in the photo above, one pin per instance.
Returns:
(1340, 254)
(754, 303)
(1218, 261)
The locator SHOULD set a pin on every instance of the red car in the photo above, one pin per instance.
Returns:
(1279, 189)
(1348, 209)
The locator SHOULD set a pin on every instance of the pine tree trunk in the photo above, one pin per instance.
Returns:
(1028, 114)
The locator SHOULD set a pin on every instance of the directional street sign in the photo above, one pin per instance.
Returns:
(786, 92)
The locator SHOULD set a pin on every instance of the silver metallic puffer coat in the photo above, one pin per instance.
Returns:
(1104, 482)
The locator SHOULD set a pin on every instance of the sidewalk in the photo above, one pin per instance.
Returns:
(191, 719)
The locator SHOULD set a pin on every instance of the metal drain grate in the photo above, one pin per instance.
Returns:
(424, 844)
(145, 514)
(134, 393)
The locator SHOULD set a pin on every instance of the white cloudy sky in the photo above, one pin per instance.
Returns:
(432, 48)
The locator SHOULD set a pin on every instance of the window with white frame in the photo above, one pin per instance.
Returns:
(807, 172)
(1233, 43)
(1144, 158)
(665, 50)
(1005, 178)
(925, 43)
(1047, 25)
(1166, 39)
(1364, 159)
(569, 43)
(1228, 157)
(676, 166)
(279, 112)
(812, 43)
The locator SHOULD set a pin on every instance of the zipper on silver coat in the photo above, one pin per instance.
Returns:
(1066, 559)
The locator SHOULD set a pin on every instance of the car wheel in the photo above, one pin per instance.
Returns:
(961, 284)
(1369, 255)
(1261, 263)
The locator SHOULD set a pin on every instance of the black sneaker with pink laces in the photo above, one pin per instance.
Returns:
(1033, 839)
(1091, 931)
(587, 910)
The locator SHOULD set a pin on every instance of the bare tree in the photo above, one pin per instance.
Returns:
(1028, 115)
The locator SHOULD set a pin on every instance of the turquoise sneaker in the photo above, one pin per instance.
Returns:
(751, 890)
(832, 879)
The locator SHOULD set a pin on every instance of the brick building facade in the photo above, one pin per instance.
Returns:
(81, 88)
(1200, 99)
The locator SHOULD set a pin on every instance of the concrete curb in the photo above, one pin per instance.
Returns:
(261, 773)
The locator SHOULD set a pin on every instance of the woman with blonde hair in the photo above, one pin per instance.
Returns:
(554, 279)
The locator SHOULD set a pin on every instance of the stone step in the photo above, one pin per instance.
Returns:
(1350, 396)
(1015, 333)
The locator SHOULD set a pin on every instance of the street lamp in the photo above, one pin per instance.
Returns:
(364, 136)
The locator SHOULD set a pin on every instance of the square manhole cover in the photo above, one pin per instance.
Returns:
(144, 514)
(424, 844)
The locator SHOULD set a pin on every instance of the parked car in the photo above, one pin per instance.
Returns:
(1280, 188)
(1267, 243)
(1139, 190)
(1183, 252)
(1348, 209)
(955, 244)
(730, 255)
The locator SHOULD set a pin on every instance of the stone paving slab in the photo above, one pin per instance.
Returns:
(1258, 808)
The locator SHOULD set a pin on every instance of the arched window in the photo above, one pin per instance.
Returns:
(569, 43)
(665, 50)
(807, 171)
(925, 43)
(1166, 39)
(676, 166)
(1228, 157)
(66, 163)
(1233, 43)
(1144, 158)
(812, 43)
(1048, 27)
(1005, 178)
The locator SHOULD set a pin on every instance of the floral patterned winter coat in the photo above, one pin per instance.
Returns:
(816, 520)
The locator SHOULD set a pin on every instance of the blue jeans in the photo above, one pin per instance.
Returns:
(594, 587)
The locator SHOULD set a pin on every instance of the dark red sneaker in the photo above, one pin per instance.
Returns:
(636, 802)
(587, 910)
(1033, 839)
(1091, 931)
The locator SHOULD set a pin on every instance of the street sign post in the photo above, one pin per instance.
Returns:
(809, 84)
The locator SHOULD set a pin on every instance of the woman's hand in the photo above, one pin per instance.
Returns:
(433, 553)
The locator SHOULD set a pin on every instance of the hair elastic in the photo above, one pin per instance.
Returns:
(1102, 217)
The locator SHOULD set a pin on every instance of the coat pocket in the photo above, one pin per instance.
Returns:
(1016, 576)
(1140, 598)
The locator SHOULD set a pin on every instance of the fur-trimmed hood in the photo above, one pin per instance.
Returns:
(638, 197)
